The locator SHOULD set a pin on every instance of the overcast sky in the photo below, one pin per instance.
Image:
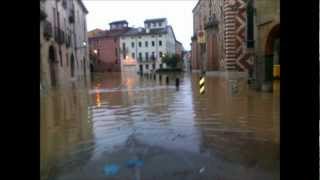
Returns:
(177, 12)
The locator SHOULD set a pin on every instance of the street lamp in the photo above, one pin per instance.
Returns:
(84, 45)
(95, 51)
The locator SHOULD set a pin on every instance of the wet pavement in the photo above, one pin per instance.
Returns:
(131, 127)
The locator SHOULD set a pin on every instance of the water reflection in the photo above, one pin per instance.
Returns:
(65, 132)
(231, 131)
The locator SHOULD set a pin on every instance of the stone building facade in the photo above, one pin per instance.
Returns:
(63, 43)
(226, 36)
(267, 42)
(144, 47)
(105, 47)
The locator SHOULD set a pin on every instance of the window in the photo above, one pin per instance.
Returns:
(147, 66)
(140, 44)
(132, 44)
(140, 56)
(123, 45)
(133, 55)
(160, 24)
(160, 54)
(152, 56)
(161, 66)
(147, 56)
(153, 66)
(146, 43)
(152, 43)
(159, 35)
(160, 43)
(154, 24)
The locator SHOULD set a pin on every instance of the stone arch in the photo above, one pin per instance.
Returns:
(271, 53)
(52, 65)
(273, 34)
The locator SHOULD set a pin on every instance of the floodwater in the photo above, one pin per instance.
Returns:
(130, 127)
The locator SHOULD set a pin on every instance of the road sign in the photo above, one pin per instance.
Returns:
(201, 36)
(202, 84)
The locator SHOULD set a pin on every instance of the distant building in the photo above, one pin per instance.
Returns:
(142, 48)
(94, 33)
(63, 42)
(179, 48)
(186, 57)
(105, 47)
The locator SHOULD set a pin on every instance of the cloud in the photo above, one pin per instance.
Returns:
(178, 14)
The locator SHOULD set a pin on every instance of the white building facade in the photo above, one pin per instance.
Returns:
(142, 48)
(64, 56)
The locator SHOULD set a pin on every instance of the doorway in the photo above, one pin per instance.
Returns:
(52, 66)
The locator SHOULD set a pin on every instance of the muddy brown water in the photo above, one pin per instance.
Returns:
(176, 133)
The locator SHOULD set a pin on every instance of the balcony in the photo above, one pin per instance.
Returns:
(59, 35)
(47, 30)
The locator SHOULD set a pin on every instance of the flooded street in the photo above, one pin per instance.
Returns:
(130, 127)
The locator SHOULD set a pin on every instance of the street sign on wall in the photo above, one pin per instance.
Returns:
(201, 36)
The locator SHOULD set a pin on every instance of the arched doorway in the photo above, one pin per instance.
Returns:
(272, 51)
(72, 65)
(52, 66)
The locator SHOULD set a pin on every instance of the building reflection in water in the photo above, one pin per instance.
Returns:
(226, 124)
(238, 126)
(65, 132)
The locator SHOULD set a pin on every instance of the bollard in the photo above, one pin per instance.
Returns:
(167, 80)
(177, 83)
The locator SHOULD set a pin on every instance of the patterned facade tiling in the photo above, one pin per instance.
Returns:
(229, 36)
(237, 57)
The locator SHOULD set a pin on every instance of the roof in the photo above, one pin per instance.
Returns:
(136, 32)
(83, 6)
(155, 20)
(119, 22)
(96, 30)
(196, 5)
(178, 42)
(111, 33)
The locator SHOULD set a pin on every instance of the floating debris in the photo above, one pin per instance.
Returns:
(134, 163)
(202, 170)
(111, 169)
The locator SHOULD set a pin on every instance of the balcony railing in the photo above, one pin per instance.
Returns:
(59, 35)
(47, 30)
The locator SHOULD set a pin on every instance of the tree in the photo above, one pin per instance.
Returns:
(171, 60)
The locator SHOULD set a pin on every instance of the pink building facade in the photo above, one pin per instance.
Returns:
(105, 48)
